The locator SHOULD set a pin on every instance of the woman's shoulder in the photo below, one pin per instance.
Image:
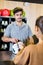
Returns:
(31, 47)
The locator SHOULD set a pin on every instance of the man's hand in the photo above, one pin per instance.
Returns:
(14, 40)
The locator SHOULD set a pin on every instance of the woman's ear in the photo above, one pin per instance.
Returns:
(36, 29)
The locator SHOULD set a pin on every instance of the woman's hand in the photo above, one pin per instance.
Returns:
(21, 45)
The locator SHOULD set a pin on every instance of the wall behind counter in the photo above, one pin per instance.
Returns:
(33, 10)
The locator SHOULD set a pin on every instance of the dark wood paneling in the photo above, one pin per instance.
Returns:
(31, 1)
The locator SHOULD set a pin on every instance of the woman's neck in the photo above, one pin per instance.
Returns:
(40, 41)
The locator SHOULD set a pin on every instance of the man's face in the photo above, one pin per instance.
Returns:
(18, 16)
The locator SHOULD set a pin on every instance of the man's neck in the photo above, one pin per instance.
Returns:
(19, 23)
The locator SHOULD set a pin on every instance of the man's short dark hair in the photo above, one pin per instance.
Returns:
(17, 9)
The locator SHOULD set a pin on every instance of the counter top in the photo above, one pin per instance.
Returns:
(5, 58)
(5, 55)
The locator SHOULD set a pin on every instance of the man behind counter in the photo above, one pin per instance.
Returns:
(17, 30)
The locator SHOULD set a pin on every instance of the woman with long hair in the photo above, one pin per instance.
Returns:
(33, 54)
